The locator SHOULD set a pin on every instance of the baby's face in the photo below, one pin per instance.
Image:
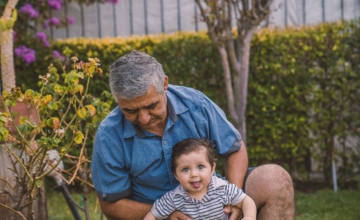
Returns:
(194, 173)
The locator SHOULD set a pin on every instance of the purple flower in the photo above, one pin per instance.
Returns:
(54, 21)
(42, 36)
(57, 55)
(55, 4)
(70, 20)
(51, 21)
(26, 54)
(29, 10)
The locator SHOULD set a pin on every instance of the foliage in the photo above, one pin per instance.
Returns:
(291, 100)
(67, 117)
(304, 96)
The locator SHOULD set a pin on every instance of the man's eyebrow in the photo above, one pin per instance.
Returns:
(152, 104)
(147, 106)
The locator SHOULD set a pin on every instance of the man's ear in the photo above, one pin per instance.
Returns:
(166, 83)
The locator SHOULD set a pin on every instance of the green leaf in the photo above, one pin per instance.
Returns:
(52, 105)
(39, 183)
(81, 113)
(78, 137)
(91, 109)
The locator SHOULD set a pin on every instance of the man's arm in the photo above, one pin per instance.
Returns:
(124, 209)
(236, 165)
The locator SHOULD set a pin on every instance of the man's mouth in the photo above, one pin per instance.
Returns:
(195, 184)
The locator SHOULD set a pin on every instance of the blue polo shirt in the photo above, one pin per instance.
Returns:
(131, 163)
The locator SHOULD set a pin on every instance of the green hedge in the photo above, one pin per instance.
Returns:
(303, 86)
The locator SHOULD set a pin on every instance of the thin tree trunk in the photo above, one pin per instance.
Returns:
(241, 82)
(7, 54)
(228, 84)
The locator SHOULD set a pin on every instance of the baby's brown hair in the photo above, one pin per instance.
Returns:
(192, 145)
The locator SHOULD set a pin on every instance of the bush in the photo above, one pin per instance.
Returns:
(303, 94)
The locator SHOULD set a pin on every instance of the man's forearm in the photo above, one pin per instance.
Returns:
(236, 165)
(125, 209)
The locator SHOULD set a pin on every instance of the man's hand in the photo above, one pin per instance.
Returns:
(234, 212)
(177, 215)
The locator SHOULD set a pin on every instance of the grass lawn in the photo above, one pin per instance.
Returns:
(328, 205)
(322, 205)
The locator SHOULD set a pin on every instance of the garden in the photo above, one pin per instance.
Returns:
(302, 108)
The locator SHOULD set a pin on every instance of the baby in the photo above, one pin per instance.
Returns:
(200, 195)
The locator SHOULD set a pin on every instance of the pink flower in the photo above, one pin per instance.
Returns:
(42, 36)
(55, 4)
(51, 21)
(70, 20)
(57, 55)
(26, 54)
(29, 10)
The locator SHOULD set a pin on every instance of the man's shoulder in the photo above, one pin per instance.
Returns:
(185, 94)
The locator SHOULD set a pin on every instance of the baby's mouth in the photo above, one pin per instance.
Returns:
(195, 184)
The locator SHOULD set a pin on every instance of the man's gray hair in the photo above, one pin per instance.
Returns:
(132, 75)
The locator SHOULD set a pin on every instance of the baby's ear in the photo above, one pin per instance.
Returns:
(214, 167)
(176, 177)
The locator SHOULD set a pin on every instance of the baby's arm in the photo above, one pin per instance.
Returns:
(150, 216)
(162, 207)
(248, 207)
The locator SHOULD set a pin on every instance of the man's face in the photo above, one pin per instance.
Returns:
(148, 112)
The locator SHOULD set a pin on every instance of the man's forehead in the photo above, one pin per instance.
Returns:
(139, 102)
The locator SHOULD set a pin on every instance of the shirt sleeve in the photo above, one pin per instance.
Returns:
(108, 171)
(218, 128)
(164, 206)
(234, 194)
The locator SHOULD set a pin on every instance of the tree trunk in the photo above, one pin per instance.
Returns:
(228, 85)
(241, 82)
(7, 54)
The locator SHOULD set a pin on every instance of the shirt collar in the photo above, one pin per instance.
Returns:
(177, 106)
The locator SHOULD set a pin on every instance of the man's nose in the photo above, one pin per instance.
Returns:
(144, 117)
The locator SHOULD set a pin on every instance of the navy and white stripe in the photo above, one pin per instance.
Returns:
(220, 193)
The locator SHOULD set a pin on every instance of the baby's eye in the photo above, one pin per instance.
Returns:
(200, 167)
(185, 170)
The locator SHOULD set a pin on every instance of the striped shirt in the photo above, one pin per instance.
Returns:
(219, 194)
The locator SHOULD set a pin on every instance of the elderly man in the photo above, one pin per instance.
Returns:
(133, 145)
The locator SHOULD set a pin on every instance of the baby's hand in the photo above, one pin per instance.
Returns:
(234, 212)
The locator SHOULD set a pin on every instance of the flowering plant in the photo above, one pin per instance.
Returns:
(67, 117)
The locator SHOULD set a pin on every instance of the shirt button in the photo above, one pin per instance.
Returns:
(164, 142)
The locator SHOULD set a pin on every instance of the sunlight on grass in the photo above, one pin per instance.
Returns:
(58, 208)
(328, 205)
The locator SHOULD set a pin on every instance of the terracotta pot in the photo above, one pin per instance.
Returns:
(22, 109)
